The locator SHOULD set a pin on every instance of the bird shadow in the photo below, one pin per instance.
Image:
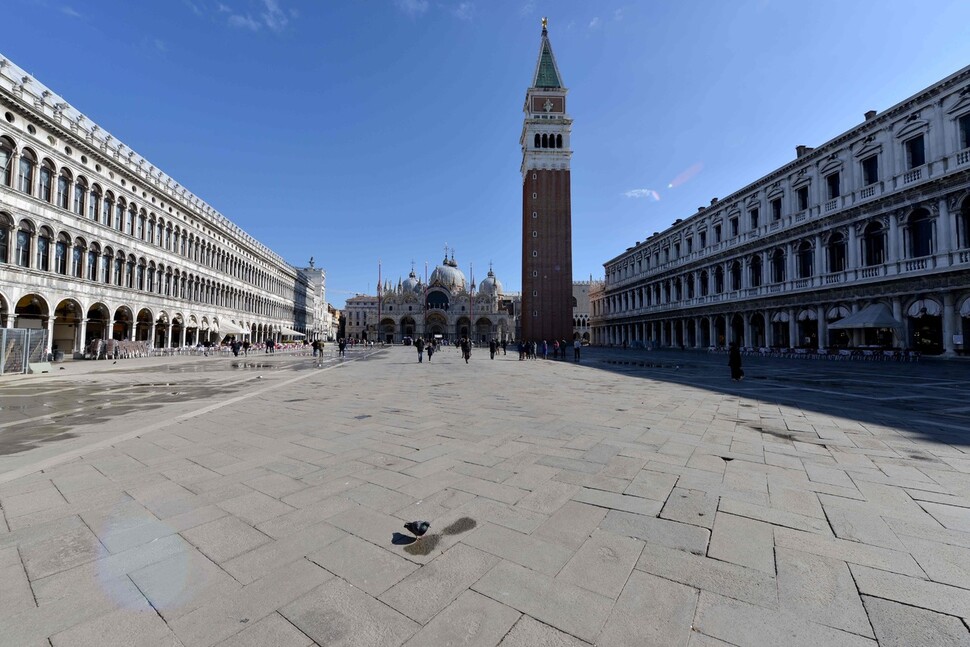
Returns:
(423, 546)
(459, 526)
(399, 539)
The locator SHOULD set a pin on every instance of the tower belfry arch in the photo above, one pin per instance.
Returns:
(546, 207)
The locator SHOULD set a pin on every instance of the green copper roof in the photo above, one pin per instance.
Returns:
(546, 76)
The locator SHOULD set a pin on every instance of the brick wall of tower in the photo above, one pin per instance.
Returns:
(553, 261)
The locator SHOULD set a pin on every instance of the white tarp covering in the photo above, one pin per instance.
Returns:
(876, 315)
(924, 307)
(289, 332)
(229, 328)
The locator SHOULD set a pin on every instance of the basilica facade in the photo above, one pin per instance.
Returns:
(447, 306)
(96, 243)
(862, 242)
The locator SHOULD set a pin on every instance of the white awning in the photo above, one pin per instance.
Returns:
(876, 315)
(924, 308)
(965, 308)
(807, 315)
(837, 312)
(289, 332)
(229, 328)
(780, 317)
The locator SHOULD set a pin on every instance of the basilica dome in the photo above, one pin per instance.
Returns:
(447, 275)
(411, 283)
(490, 284)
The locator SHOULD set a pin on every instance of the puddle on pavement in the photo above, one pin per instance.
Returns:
(31, 437)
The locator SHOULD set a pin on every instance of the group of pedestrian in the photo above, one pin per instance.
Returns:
(558, 348)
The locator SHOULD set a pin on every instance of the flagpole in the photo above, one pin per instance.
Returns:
(424, 306)
(379, 291)
(471, 307)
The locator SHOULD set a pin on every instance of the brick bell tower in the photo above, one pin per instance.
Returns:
(547, 252)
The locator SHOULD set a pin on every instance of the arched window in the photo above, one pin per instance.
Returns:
(77, 259)
(168, 237)
(537, 141)
(46, 180)
(80, 193)
(106, 265)
(151, 230)
(25, 173)
(94, 202)
(755, 271)
(130, 272)
(140, 231)
(804, 258)
(836, 251)
(718, 280)
(705, 283)
(920, 226)
(689, 282)
(6, 157)
(140, 274)
(119, 268)
(545, 140)
(24, 235)
(106, 207)
(61, 252)
(873, 245)
(777, 266)
(558, 141)
(120, 214)
(5, 226)
(94, 252)
(150, 285)
(63, 189)
(736, 275)
(130, 219)
(44, 250)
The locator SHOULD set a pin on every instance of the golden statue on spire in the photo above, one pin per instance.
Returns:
(545, 23)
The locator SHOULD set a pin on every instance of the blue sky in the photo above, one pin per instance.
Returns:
(359, 130)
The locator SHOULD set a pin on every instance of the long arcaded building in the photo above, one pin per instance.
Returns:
(97, 243)
(863, 241)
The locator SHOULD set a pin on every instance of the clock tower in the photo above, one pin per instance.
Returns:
(547, 254)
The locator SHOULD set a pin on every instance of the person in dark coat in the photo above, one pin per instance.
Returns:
(466, 348)
(734, 361)
(419, 344)
(492, 347)
(431, 348)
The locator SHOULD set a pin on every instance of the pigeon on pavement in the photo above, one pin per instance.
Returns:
(417, 528)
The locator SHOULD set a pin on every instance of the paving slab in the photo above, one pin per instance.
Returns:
(570, 504)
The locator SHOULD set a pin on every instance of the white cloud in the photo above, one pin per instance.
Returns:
(412, 7)
(223, 8)
(71, 11)
(273, 16)
(594, 23)
(650, 194)
(244, 22)
(527, 7)
(464, 10)
(618, 14)
(160, 45)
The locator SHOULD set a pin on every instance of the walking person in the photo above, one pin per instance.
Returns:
(432, 347)
(466, 348)
(576, 346)
(505, 343)
(734, 361)
(342, 347)
(419, 344)
(492, 347)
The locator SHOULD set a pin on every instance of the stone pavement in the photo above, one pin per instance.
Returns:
(634, 499)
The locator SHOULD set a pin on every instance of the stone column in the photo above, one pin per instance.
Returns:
(697, 333)
(819, 259)
(168, 335)
(769, 329)
(82, 336)
(852, 250)
(898, 316)
(748, 340)
(946, 234)
(792, 329)
(663, 333)
(182, 332)
(893, 244)
(151, 335)
(50, 333)
(949, 325)
(823, 330)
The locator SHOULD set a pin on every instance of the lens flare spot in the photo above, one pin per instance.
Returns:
(685, 175)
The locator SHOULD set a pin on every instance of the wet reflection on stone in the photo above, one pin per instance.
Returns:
(461, 525)
(423, 546)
